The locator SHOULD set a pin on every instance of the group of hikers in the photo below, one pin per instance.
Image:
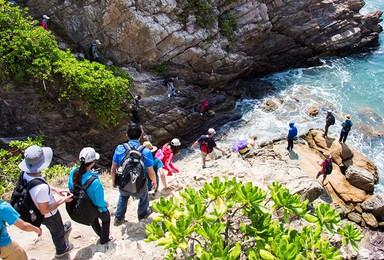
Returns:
(136, 169)
(326, 164)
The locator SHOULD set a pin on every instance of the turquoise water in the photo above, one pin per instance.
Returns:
(352, 85)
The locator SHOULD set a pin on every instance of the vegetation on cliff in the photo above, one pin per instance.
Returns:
(29, 54)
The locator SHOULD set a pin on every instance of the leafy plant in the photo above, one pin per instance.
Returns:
(161, 69)
(229, 220)
(201, 9)
(228, 25)
(10, 160)
(28, 53)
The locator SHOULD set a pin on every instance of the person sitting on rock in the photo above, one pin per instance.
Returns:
(171, 88)
(326, 166)
(243, 147)
(166, 154)
(158, 167)
(202, 108)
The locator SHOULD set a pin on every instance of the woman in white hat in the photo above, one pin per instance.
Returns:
(95, 191)
(166, 154)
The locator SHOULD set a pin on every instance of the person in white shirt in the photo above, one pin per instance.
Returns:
(36, 159)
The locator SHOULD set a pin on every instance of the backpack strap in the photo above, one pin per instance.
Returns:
(32, 183)
(88, 182)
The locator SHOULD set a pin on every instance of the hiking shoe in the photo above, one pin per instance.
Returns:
(110, 239)
(149, 212)
(69, 248)
(118, 222)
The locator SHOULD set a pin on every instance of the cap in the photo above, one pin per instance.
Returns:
(150, 146)
(211, 131)
(97, 42)
(36, 159)
(46, 17)
(175, 142)
(88, 154)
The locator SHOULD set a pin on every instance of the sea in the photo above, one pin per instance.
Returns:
(349, 85)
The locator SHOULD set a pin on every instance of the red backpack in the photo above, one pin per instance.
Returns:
(204, 147)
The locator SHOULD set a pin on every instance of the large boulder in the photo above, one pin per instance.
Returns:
(375, 205)
(360, 178)
(270, 36)
(347, 192)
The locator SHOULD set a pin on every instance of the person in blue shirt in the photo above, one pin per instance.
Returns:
(292, 133)
(79, 176)
(346, 127)
(134, 134)
(9, 249)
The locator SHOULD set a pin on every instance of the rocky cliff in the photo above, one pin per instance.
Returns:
(213, 41)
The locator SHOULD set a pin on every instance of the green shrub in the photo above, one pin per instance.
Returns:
(10, 160)
(201, 9)
(228, 25)
(161, 69)
(230, 220)
(28, 53)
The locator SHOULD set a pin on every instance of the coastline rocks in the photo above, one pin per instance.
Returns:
(271, 35)
(347, 192)
(375, 205)
(360, 178)
(313, 111)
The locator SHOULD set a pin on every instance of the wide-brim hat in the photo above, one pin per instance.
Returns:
(348, 117)
(149, 145)
(36, 159)
(327, 154)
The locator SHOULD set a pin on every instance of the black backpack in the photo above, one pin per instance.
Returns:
(348, 125)
(22, 202)
(132, 177)
(81, 209)
(331, 120)
(328, 166)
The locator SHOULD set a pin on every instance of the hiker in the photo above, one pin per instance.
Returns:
(166, 154)
(243, 147)
(292, 133)
(326, 169)
(36, 159)
(9, 249)
(134, 134)
(202, 108)
(158, 167)
(44, 23)
(93, 51)
(135, 109)
(329, 120)
(207, 146)
(171, 88)
(346, 127)
(95, 191)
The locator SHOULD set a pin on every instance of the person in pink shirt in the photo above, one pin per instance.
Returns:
(166, 154)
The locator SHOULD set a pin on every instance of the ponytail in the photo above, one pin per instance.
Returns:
(81, 170)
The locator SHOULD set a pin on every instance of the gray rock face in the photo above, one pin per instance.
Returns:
(360, 178)
(271, 35)
(375, 205)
